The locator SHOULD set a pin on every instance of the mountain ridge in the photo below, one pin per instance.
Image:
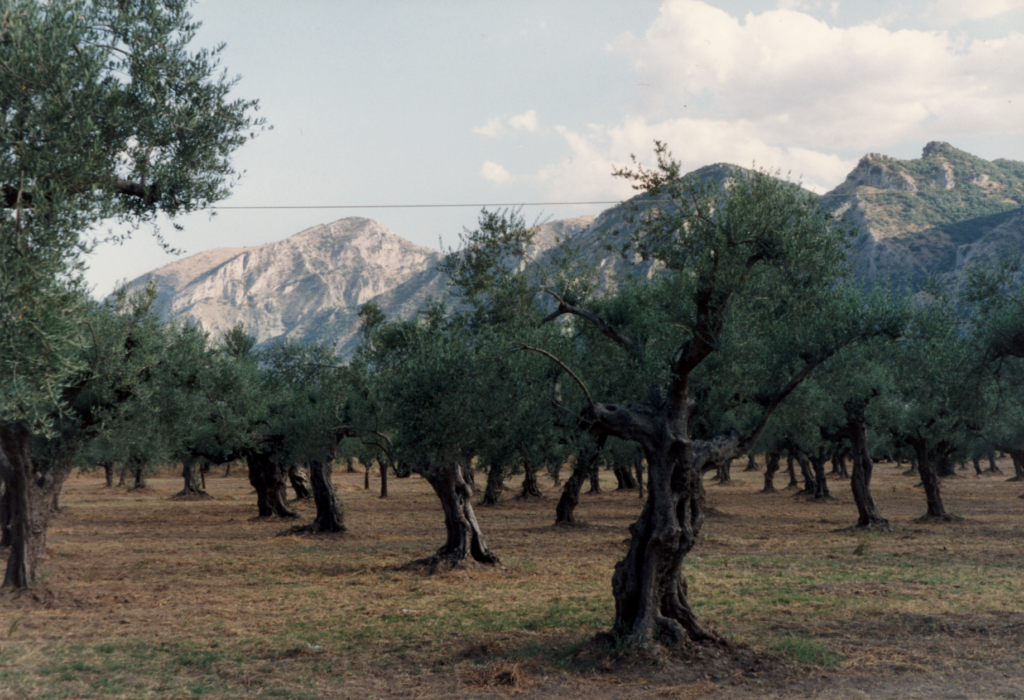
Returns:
(934, 215)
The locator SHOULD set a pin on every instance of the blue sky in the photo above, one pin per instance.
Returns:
(452, 102)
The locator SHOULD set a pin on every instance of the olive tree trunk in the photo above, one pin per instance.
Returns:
(771, 468)
(28, 503)
(298, 476)
(821, 491)
(649, 586)
(268, 476)
(586, 458)
(992, 468)
(722, 472)
(330, 515)
(624, 478)
(464, 540)
(495, 486)
(793, 484)
(860, 480)
(194, 486)
(5, 514)
(926, 458)
(530, 489)
(1018, 464)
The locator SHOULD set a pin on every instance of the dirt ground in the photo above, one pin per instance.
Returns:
(145, 596)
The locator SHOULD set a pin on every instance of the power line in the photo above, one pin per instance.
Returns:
(416, 206)
(532, 204)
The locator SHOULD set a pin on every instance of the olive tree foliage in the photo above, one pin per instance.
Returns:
(497, 279)
(938, 399)
(123, 351)
(995, 317)
(691, 365)
(104, 113)
(828, 415)
(448, 389)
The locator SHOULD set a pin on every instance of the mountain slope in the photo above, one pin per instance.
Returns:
(288, 289)
(927, 216)
(936, 215)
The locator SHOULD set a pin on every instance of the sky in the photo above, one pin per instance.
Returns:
(380, 104)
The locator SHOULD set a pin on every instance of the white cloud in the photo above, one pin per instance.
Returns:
(527, 120)
(694, 142)
(802, 81)
(956, 11)
(496, 127)
(787, 91)
(492, 128)
(494, 172)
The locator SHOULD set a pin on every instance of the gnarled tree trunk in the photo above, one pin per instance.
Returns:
(793, 484)
(495, 485)
(926, 457)
(625, 479)
(751, 464)
(722, 472)
(648, 584)
(299, 479)
(565, 511)
(108, 474)
(992, 468)
(531, 488)
(771, 467)
(810, 485)
(595, 479)
(330, 516)
(860, 479)
(5, 514)
(192, 475)
(268, 476)
(139, 473)
(28, 499)
(465, 540)
(821, 491)
(1018, 465)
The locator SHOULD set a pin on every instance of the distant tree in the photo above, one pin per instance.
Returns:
(935, 400)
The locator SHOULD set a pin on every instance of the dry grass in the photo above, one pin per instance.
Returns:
(147, 596)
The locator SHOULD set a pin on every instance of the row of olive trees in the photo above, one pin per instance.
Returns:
(749, 337)
(750, 316)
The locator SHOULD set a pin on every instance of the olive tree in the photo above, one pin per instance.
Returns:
(106, 113)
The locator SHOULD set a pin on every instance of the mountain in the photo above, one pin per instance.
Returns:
(935, 215)
(309, 286)
(290, 289)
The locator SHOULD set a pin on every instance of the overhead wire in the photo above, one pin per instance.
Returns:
(506, 204)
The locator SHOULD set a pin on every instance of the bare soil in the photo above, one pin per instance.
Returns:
(146, 596)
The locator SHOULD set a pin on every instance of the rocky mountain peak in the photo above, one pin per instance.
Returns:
(878, 172)
(282, 289)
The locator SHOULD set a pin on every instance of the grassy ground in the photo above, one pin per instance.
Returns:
(146, 596)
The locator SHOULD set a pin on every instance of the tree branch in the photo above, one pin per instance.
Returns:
(609, 332)
(747, 442)
(545, 353)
